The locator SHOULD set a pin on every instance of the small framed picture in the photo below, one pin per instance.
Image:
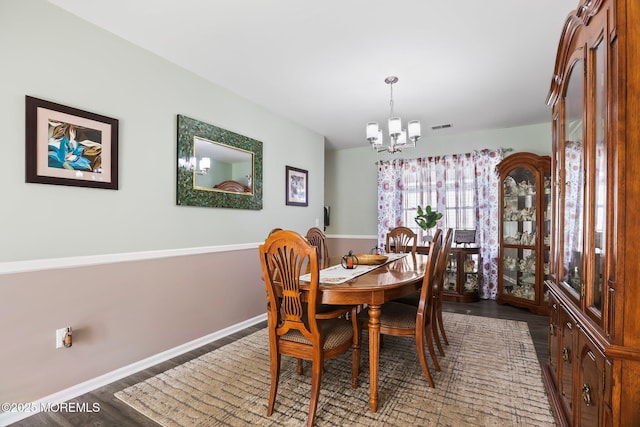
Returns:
(465, 236)
(297, 186)
(67, 146)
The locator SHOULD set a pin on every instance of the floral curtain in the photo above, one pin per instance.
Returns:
(390, 204)
(440, 182)
(488, 215)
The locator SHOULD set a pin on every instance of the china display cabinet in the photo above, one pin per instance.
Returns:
(463, 274)
(593, 373)
(525, 230)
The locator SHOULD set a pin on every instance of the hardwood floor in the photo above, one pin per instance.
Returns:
(115, 413)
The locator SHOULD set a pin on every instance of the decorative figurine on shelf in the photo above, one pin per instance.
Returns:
(528, 214)
(513, 240)
(349, 261)
(469, 265)
(472, 283)
(510, 263)
(510, 186)
(525, 188)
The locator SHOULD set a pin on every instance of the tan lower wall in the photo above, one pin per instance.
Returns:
(342, 245)
(120, 313)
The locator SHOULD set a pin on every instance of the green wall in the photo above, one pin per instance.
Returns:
(53, 55)
(351, 175)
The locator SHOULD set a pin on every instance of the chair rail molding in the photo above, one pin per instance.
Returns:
(83, 261)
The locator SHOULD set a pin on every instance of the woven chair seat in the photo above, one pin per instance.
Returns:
(394, 315)
(335, 332)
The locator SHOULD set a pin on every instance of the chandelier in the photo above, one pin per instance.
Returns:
(398, 138)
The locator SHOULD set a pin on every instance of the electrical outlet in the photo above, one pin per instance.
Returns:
(60, 337)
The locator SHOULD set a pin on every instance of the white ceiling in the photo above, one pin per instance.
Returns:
(322, 64)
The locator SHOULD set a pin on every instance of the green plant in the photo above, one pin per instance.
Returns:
(427, 218)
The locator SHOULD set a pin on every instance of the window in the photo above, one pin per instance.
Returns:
(464, 188)
(447, 184)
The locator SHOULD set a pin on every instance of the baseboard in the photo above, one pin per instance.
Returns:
(7, 418)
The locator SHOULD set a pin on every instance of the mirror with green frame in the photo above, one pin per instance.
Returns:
(217, 168)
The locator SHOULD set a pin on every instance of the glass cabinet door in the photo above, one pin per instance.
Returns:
(471, 263)
(519, 217)
(594, 299)
(555, 273)
(519, 273)
(519, 233)
(547, 229)
(573, 182)
(451, 278)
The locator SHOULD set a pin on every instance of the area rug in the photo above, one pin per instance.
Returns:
(490, 376)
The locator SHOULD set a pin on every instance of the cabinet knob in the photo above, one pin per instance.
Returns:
(552, 329)
(586, 394)
(566, 354)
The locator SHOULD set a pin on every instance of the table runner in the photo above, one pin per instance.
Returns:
(337, 274)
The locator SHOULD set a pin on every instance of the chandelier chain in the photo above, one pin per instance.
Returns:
(391, 99)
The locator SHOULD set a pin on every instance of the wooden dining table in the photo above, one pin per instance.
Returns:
(392, 280)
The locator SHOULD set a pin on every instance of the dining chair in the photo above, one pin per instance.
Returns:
(401, 240)
(317, 238)
(323, 311)
(405, 320)
(438, 287)
(295, 327)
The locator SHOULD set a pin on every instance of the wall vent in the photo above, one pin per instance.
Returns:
(448, 125)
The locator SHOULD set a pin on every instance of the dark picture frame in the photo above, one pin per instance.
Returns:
(69, 146)
(297, 186)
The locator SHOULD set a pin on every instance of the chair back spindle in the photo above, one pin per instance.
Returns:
(285, 255)
(401, 240)
(317, 238)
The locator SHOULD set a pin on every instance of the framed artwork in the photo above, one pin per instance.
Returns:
(297, 186)
(68, 146)
(465, 236)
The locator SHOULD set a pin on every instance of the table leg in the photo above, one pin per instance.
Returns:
(374, 347)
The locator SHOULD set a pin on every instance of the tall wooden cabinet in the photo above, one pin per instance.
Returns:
(593, 372)
(525, 230)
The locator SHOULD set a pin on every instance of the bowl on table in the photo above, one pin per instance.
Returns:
(371, 259)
